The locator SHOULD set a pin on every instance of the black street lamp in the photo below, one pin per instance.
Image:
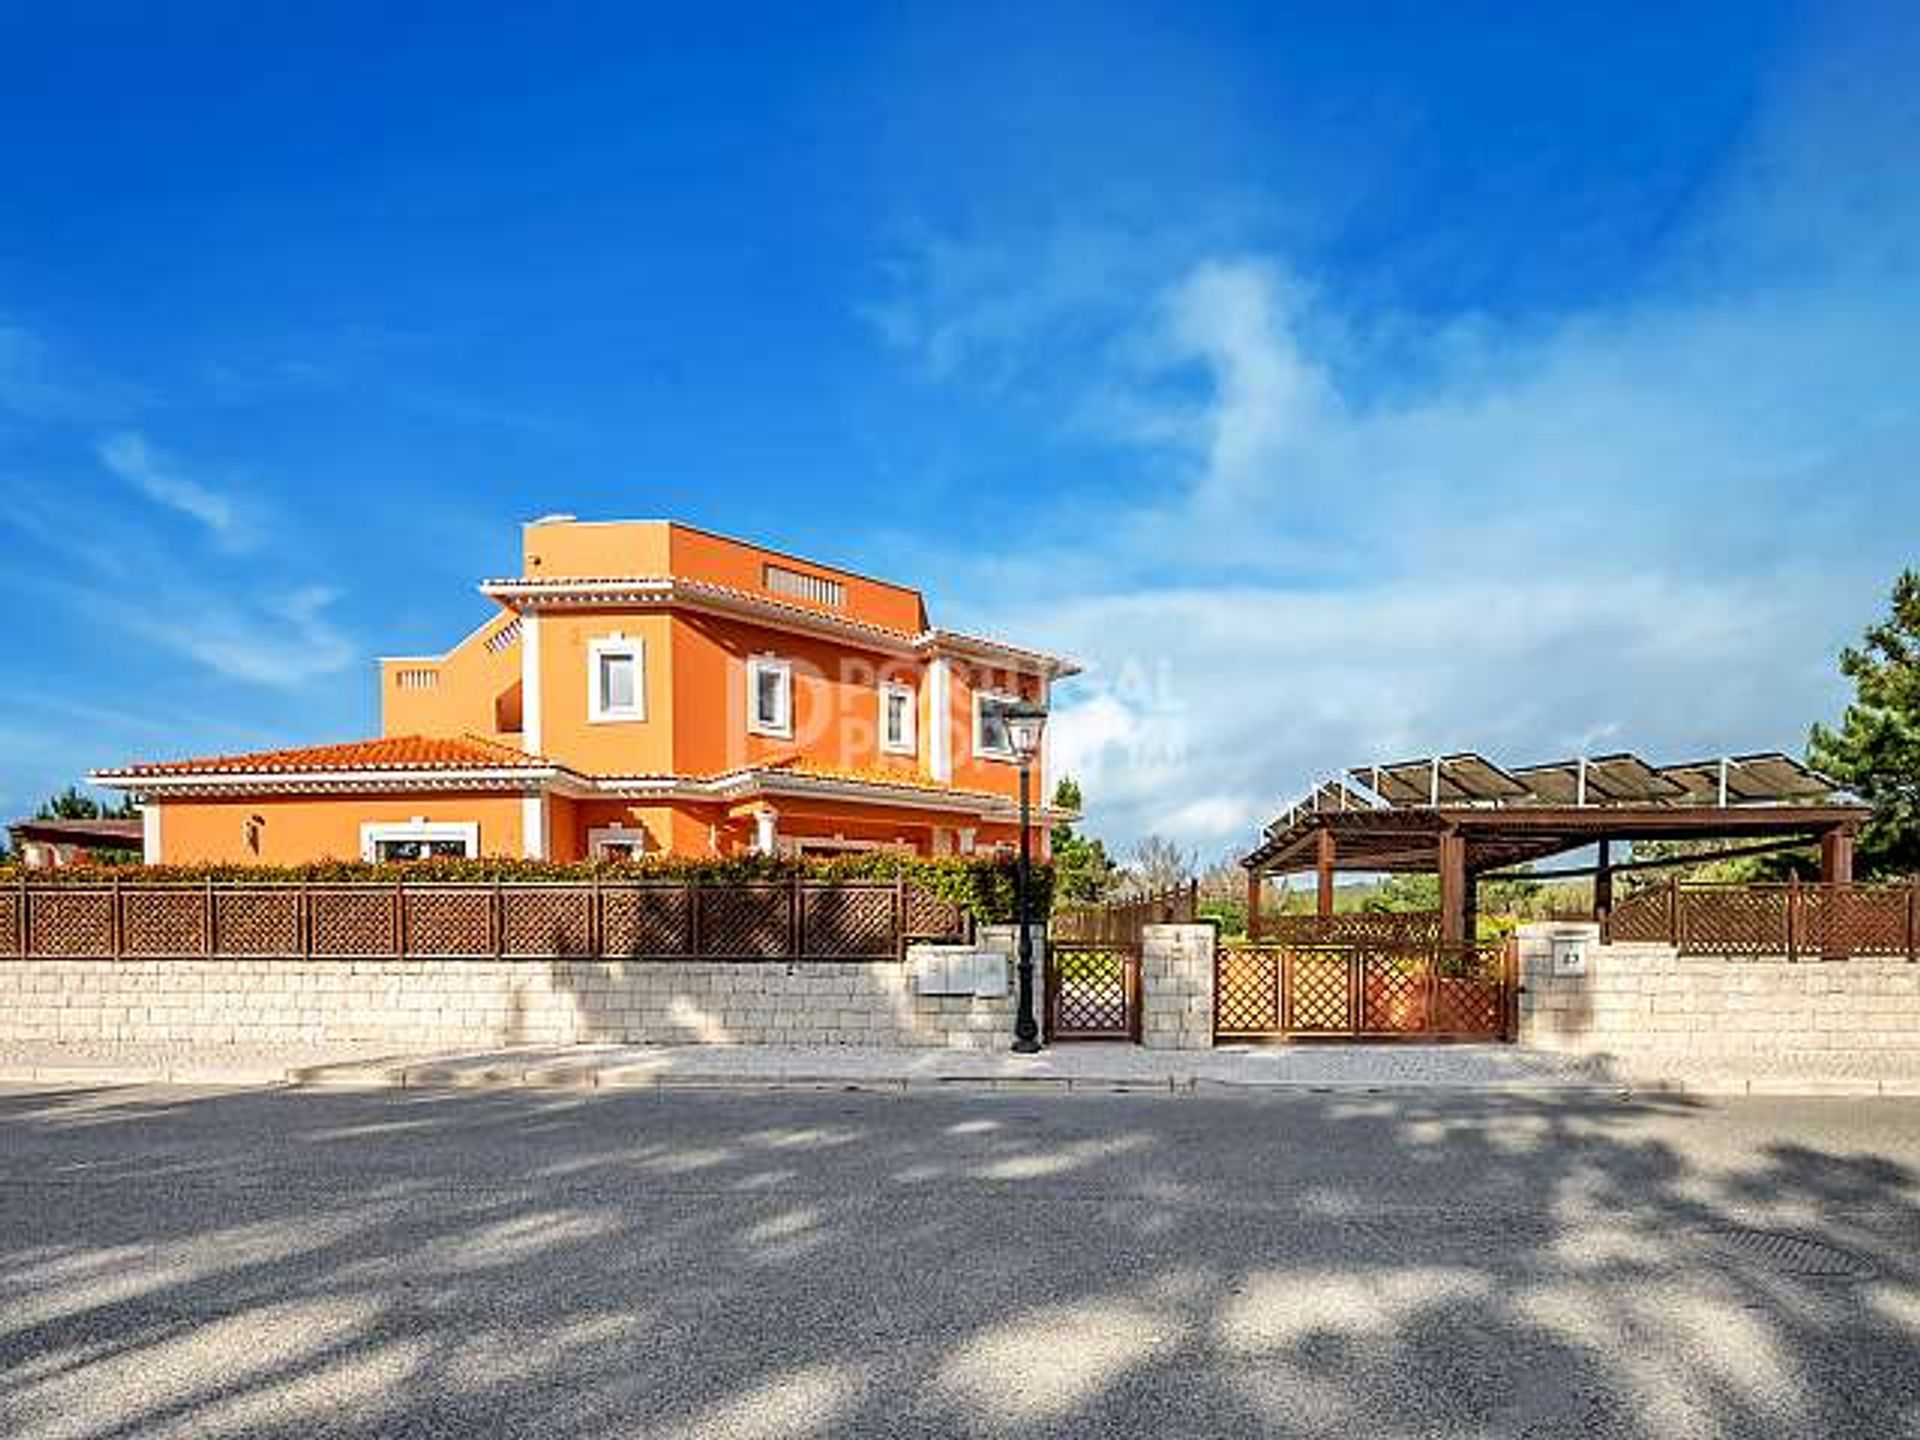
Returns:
(1026, 723)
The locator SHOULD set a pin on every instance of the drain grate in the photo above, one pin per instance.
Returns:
(1788, 1254)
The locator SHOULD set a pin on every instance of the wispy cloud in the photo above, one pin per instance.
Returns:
(128, 455)
(40, 385)
(283, 640)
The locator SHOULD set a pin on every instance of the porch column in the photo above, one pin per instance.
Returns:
(1603, 885)
(1256, 882)
(766, 830)
(1453, 886)
(1325, 859)
(1836, 856)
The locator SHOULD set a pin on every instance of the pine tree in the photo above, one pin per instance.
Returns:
(1875, 752)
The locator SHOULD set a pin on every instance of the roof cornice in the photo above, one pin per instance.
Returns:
(516, 779)
(614, 592)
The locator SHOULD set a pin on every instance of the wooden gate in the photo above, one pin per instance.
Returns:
(1092, 992)
(1364, 992)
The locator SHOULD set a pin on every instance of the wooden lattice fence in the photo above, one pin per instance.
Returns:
(1795, 921)
(642, 920)
(1367, 990)
(1120, 922)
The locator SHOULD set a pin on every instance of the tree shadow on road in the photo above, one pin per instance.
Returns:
(577, 1264)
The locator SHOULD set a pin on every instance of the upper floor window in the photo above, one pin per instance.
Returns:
(896, 719)
(770, 696)
(616, 677)
(991, 738)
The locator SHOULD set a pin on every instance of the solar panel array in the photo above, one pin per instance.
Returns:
(1764, 778)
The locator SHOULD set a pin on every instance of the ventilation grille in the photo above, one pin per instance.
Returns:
(417, 679)
(796, 585)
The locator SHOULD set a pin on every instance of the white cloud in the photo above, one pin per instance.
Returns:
(1650, 524)
(281, 640)
(1266, 399)
(128, 455)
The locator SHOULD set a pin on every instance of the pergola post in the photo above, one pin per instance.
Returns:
(1453, 886)
(1603, 886)
(1256, 883)
(1836, 856)
(1325, 858)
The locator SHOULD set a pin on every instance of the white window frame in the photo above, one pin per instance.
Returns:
(613, 646)
(626, 835)
(980, 750)
(758, 665)
(372, 832)
(907, 743)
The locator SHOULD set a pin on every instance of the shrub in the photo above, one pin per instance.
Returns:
(984, 888)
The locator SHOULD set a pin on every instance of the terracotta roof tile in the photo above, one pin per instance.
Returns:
(392, 752)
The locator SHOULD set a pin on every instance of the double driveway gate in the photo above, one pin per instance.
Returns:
(1412, 991)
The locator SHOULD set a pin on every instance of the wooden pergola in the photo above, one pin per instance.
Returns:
(1463, 818)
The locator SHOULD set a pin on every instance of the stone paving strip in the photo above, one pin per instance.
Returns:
(1102, 1067)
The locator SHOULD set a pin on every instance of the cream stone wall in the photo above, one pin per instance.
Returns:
(431, 1003)
(1649, 1001)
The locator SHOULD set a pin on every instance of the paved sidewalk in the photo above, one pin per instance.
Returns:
(1065, 1067)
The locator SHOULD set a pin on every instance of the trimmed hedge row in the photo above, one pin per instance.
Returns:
(984, 888)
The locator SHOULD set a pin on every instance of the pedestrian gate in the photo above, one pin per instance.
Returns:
(1093, 992)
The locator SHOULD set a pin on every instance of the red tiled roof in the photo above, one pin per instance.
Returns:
(107, 830)
(392, 752)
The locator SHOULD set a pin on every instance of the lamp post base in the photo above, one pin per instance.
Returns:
(1026, 1047)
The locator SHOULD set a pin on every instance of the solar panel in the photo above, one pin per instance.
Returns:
(1620, 779)
(1784, 778)
(1463, 779)
(1627, 779)
(1617, 779)
(1557, 783)
(1765, 778)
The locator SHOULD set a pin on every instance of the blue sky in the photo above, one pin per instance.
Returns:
(1338, 388)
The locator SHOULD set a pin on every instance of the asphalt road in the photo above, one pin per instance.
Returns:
(793, 1264)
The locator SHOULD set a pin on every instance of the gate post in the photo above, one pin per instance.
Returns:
(1175, 974)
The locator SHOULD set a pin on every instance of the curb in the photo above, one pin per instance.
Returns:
(440, 1076)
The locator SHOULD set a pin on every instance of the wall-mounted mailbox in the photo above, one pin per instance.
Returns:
(957, 970)
(1569, 955)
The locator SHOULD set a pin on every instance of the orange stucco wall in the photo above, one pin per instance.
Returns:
(605, 747)
(297, 829)
(467, 698)
(836, 700)
(573, 549)
(972, 772)
(697, 555)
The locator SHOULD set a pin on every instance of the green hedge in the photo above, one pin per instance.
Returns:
(985, 889)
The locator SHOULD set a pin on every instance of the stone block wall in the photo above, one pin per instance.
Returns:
(1648, 1001)
(445, 1003)
(1176, 987)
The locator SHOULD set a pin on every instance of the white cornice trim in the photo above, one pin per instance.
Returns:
(530, 782)
(614, 593)
(333, 782)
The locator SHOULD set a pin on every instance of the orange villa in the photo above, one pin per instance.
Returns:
(644, 688)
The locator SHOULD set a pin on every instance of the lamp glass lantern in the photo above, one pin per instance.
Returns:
(1026, 725)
